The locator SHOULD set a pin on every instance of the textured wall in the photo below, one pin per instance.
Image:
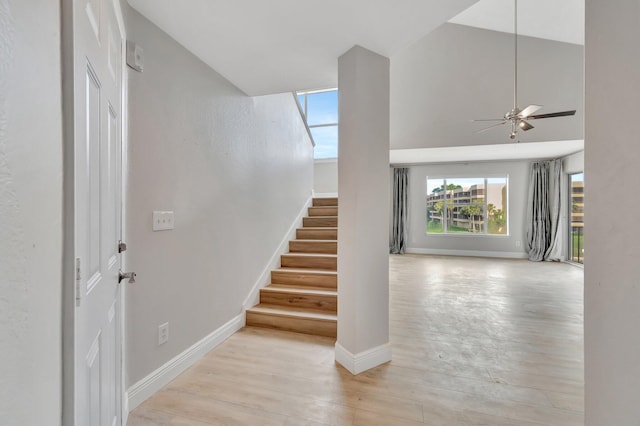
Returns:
(458, 73)
(30, 213)
(235, 170)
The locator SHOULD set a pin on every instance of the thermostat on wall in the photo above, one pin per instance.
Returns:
(135, 56)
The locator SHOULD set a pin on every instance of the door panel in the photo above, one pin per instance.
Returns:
(112, 182)
(98, 129)
(92, 173)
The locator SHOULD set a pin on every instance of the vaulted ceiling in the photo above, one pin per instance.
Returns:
(277, 46)
(548, 19)
(274, 46)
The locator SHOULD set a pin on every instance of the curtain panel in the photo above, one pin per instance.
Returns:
(398, 243)
(544, 240)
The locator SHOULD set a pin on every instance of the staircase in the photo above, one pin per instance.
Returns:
(303, 294)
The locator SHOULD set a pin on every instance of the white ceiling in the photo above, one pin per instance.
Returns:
(501, 152)
(549, 19)
(274, 46)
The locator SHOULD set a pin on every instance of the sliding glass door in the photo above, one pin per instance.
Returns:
(576, 224)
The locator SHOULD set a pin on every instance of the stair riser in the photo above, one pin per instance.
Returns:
(319, 221)
(329, 282)
(298, 325)
(323, 211)
(309, 262)
(318, 202)
(313, 247)
(328, 303)
(317, 234)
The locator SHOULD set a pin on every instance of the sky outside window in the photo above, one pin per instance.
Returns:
(321, 113)
(322, 108)
(326, 139)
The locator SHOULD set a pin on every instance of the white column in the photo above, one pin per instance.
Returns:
(612, 240)
(363, 218)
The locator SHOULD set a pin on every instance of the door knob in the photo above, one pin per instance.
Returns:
(124, 275)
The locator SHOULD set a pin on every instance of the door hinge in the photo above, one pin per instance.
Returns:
(78, 281)
(122, 246)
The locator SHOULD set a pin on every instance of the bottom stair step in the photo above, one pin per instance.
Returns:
(292, 319)
(319, 299)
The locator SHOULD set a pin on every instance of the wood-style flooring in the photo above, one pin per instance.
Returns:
(475, 342)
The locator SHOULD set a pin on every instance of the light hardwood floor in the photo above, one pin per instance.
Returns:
(475, 342)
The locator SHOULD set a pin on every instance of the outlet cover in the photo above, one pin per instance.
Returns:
(163, 333)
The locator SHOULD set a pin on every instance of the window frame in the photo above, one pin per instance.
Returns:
(305, 109)
(485, 178)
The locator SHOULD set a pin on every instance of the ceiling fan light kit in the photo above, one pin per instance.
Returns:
(518, 117)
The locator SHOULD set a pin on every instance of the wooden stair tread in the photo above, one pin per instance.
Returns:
(306, 271)
(320, 228)
(315, 232)
(306, 240)
(284, 288)
(320, 221)
(310, 254)
(312, 246)
(286, 311)
(303, 296)
(325, 201)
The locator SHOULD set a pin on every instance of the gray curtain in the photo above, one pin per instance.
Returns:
(554, 250)
(398, 243)
(543, 211)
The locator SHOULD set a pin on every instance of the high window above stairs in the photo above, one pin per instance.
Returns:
(320, 108)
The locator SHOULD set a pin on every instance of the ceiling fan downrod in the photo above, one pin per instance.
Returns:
(518, 118)
(515, 56)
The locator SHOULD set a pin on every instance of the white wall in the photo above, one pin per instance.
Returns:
(573, 163)
(612, 156)
(30, 213)
(235, 170)
(501, 246)
(458, 73)
(363, 264)
(325, 176)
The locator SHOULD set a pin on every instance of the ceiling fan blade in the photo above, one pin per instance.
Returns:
(529, 110)
(489, 119)
(524, 125)
(491, 127)
(552, 114)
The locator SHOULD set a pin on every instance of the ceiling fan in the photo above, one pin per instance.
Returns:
(519, 117)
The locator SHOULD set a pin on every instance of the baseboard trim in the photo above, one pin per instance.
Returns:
(125, 408)
(274, 262)
(363, 361)
(469, 253)
(149, 385)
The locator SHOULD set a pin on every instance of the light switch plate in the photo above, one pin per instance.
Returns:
(163, 220)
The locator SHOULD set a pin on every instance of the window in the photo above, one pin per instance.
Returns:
(467, 206)
(321, 112)
(576, 231)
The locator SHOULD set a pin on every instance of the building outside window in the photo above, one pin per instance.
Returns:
(576, 230)
(472, 206)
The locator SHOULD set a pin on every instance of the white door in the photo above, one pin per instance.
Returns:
(98, 146)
